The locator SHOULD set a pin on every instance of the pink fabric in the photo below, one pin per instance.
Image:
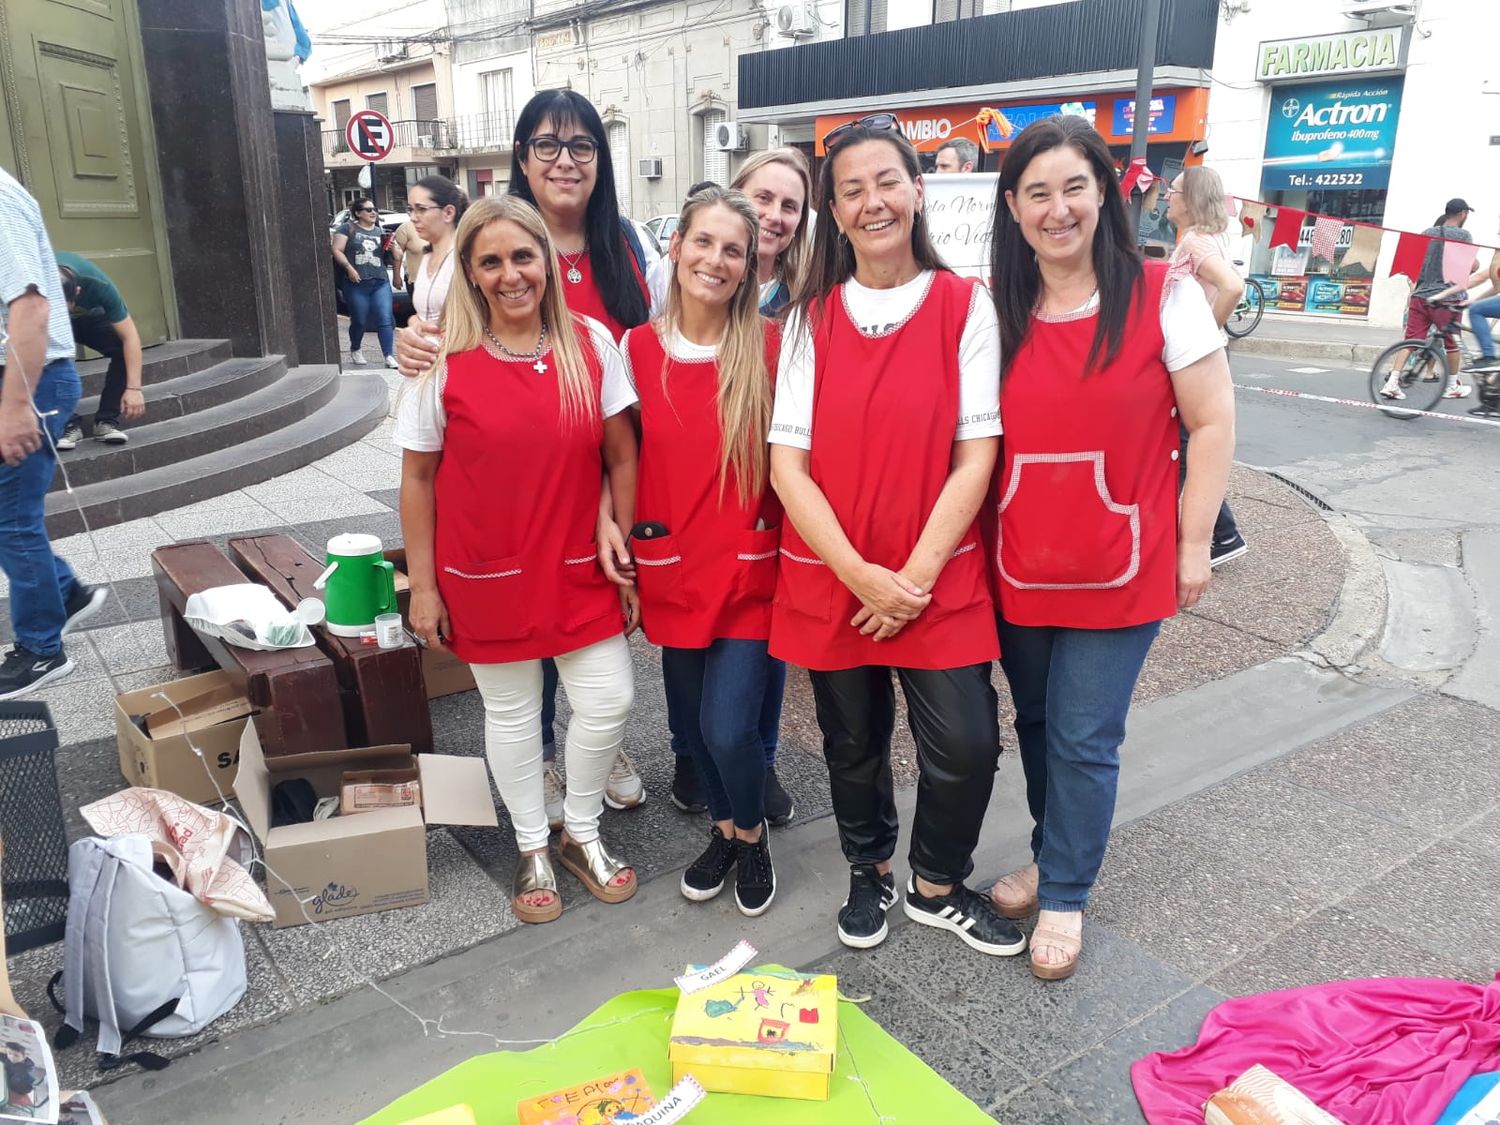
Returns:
(1388, 1051)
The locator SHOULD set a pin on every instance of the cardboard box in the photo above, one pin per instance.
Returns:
(603, 1100)
(214, 714)
(767, 1031)
(444, 673)
(350, 865)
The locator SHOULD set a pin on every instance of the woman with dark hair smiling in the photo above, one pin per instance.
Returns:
(884, 436)
(1102, 354)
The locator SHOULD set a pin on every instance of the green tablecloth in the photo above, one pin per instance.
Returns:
(876, 1079)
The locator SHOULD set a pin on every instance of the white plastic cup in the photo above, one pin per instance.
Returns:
(388, 631)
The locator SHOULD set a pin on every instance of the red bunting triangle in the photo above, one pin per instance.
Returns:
(1288, 229)
(1411, 252)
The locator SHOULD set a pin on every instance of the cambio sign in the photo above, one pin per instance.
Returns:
(1332, 135)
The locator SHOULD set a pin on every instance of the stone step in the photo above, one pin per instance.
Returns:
(181, 437)
(224, 382)
(360, 403)
(160, 362)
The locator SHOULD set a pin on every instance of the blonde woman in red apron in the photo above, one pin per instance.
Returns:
(1103, 355)
(506, 440)
(883, 439)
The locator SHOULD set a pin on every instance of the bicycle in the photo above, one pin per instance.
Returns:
(1415, 373)
(1246, 315)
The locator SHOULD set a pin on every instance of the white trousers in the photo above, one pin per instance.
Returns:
(600, 684)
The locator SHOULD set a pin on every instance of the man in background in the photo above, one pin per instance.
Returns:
(101, 321)
(1431, 282)
(957, 155)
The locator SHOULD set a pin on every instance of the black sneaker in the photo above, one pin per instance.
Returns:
(71, 436)
(1223, 550)
(23, 671)
(778, 802)
(705, 876)
(862, 917)
(82, 603)
(971, 916)
(754, 877)
(687, 790)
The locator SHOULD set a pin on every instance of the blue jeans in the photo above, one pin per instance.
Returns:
(1479, 320)
(40, 582)
(722, 691)
(770, 717)
(369, 304)
(1071, 689)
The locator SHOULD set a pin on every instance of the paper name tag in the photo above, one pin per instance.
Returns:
(674, 1106)
(725, 967)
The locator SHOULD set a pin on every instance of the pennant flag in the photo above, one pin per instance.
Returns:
(1288, 229)
(1411, 252)
(1138, 177)
(1364, 248)
(1252, 215)
(1458, 261)
(1325, 239)
(1229, 208)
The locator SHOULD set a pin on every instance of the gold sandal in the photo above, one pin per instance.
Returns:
(1019, 888)
(1049, 933)
(534, 875)
(595, 867)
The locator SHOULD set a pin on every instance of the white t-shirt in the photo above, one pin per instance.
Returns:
(1187, 324)
(420, 419)
(880, 310)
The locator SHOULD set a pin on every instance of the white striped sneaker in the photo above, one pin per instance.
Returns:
(970, 915)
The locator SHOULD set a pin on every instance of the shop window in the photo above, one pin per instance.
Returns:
(864, 17)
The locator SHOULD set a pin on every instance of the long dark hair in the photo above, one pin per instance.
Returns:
(445, 193)
(1016, 280)
(609, 255)
(832, 260)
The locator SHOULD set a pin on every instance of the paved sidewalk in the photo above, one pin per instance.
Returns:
(1335, 339)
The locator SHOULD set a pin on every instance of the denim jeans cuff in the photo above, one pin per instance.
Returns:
(1060, 907)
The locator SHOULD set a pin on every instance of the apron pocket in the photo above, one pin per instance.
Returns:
(755, 564)
(962, 584)
(658, 572)
(1060, 529)
(583, 583)
(490, 601)
(805, 584)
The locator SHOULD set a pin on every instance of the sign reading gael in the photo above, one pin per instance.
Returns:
(1353, 52)
(369, 135)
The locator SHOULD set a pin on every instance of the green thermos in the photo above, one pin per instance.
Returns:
(358, 585)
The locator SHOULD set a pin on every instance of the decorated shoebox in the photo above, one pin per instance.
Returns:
(615, 1097)
(768, 1031)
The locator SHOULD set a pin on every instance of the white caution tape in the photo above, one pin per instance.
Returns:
(675, 1105)
(722, 969)
(1394, 406)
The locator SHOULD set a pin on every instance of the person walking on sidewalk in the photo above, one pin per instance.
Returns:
(101, 321)
(705, 555)
(884, 435)
(529, 394)
(38, 388)
(436, 204)
(1103, 354)
(1195, 205)
(367, 288)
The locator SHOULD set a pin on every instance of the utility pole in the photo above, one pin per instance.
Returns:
(1145, 71)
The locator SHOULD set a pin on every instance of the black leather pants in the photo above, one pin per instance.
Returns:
(953, 720)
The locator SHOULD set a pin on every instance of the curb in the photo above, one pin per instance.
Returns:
(1356, 355)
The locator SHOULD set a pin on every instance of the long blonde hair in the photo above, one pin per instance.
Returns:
(744, 397)
(1203, 199)
(466, 312)
(791, 263)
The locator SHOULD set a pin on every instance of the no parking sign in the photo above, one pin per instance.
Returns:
(369, 135)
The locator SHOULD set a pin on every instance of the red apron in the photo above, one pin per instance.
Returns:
(1087, 500)
(517, 501)
(885, 410)
(584, 296)
(714, 575)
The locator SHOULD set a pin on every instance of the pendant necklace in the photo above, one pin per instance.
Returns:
(574, 274)
(540, 365)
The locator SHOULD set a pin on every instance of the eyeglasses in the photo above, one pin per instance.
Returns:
(420, 209)
(362, 210)
(548, 148)
(875, 122)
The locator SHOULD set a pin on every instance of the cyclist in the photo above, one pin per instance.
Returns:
(1420, 313)
(1486, 370)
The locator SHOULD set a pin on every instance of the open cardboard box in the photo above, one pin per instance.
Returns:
(214, 715)
(360, 864)
(444, 673)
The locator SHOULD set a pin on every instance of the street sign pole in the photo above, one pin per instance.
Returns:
(1141, 128)
(374, 192)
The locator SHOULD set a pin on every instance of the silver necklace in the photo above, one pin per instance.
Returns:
(540, 366)
(574, 275)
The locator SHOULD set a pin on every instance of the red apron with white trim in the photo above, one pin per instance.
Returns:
(584, 297)
(1087, 499)
(714, 575)
(517, 502)
(885, 410)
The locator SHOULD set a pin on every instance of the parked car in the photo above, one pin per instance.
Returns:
(661, 228)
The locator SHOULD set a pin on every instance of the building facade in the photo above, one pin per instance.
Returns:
(491, 53)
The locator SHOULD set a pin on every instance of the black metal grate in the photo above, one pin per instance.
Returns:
(35, 868)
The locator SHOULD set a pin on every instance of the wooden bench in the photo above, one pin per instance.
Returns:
(293, 690)
(383, 692)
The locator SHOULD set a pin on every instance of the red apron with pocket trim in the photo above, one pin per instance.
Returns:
(714, 575)
(885, 410)
(517, 502)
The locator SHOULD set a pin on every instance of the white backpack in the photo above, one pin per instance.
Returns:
(141, 955)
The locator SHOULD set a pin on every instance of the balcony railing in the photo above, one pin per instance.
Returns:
(431, 135)
(484, 132)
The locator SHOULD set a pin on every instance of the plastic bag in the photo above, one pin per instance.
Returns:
(248, 615)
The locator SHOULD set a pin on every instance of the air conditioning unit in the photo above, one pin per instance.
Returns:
(730, 136)
(648, 167)
(425, 140)
(390, 50)
(796, 21)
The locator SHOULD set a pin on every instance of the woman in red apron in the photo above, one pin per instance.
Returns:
(506, 441)
(705, 548)
(884, 437)
(1103, 355)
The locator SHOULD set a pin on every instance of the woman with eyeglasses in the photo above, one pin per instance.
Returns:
(359, 248)
(1104, 353)
(884, 436)
(436, 205)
